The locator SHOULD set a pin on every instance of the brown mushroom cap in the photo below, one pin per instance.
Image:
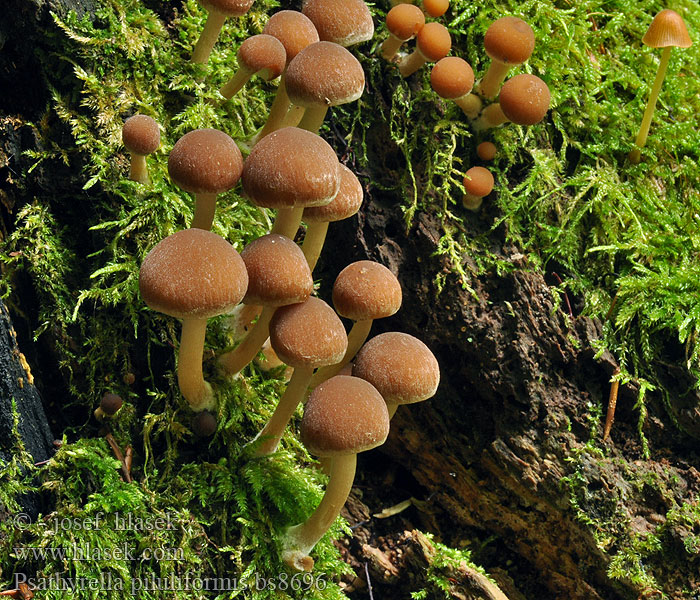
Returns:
(278, 273)
(141, 135)
(345, 22)
(405, 20)
(524, 99)
(345, 204)
(193, 274)
(366, 290)
(308, 334)
(667, 29)
(509, 40)
(291, 167)
(263, 52)
(486, 150)
(324, 74)
(294, 29)
(344, 415)
(436, 8)
(400, 366)
(434, 41)
(230, 8)
(205, 161)
(478, 182)
(111, 403)
(452, 77)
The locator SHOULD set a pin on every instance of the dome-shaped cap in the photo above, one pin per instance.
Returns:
(344, 415)
(400, 366)
(524, 99)
(193, 274)
(486, 150)
(230, 8)
(263, 52)
(345, 22)
(291, 167)
(509, 40)
(434, 41)
(324, 74)
(345, 204)
(294, 29)
(478, 182)
(436, 8)
(667, 29)
(111, 403)
(366, 290)
(141, 135)
(452, 77)
(278, 273)
(405, 20)
(309, 334)
(205, 161)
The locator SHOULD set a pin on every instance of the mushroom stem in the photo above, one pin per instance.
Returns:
(278, 111)
(139, 169)
(313, 118)
(233, 362)
(391, 408)
(313, 242)
(237, 81)
(470, 105)
(357, 336)
(273, 431)
(491, 116)
(190, 378)
(293, 116)
(300, 539)
(287, 221)
(204, 208)
(495, 74)
(207, 39)
(391, 46)
(651, 105)
(411, 63)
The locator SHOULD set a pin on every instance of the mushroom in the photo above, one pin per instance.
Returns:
(667, 30)
(403, 21)
(486, 151)
(345, 204)
(524, 99)
(218, 11)
(296, 31)
(363, 291)
(204, 424)
(322, 75)
(193, 275)
(288, 170)
(509, 41)
(436, 8)
(433, 42)
(141, 136)
(205, 162)
(278, 274)
(261, 54)
(452, 78)
(344, 416)
(478, 183)
(491, 116)
(304, 336)
(109, 405)
(344, 22)
(400, 367)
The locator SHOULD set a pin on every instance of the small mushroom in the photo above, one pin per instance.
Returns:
(109, 405)
(404, 22)
(205, 162)
(452, 78)
(344, 416)
(261, 54)
(667, 30)
(478, 183)
(433, 42)
(524, 99)
(141, 137)
(436, 8)
(344, 22)
(218, 11)
(486, 151)
(509, 41)
(204, 424)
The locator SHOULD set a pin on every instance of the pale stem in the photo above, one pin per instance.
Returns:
(471, 202)
(234, 85)
(204, 207)
(293, 116)
(300, 539)
(391, 46)
(207, 39)
(491, 116)
(287, 221)
(470, 105)
(190, 378)
(411, 63)
(313, 242)
(357, 336)
(272, 433)
(391, 407)
(139, 169)
(313, 118)
(495, 74)
(233, 362)
(653, 97)
(278, 111)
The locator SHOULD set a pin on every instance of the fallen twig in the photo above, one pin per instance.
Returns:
(612, 403)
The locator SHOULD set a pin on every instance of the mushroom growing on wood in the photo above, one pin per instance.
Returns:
(141, 137)
(218, 11)
(478, 183)
(109, 405)
(263, 55)
(667, 30)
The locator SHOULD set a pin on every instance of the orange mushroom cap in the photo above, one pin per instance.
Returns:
(405, 20)
(524, 99)
(434, 41)
(478, 182)
(667, 29)
(452, 77)
(509, 40)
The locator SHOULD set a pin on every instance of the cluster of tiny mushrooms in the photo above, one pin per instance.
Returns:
(355, 385)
